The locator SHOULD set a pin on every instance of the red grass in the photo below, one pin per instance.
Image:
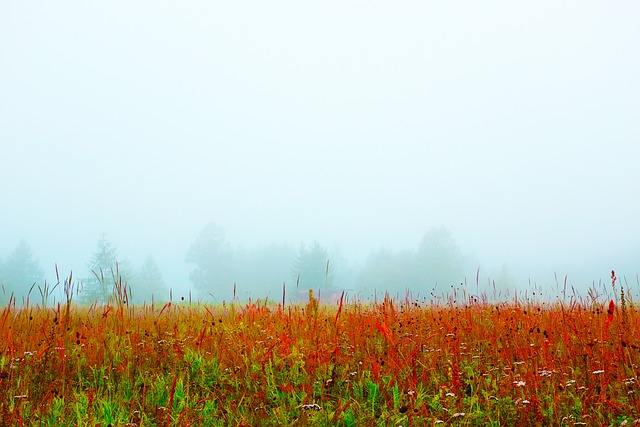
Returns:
(397, 362)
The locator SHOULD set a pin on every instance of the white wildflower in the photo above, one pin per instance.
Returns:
(310, 406)
(545, 373)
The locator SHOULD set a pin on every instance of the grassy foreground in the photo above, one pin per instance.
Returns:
(394, 362)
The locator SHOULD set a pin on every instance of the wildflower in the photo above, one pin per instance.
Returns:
(458, 414)
(310, 406)
(519, 383)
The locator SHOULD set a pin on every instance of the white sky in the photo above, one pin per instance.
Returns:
(361, 123)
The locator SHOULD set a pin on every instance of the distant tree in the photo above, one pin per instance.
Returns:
(261, 272)
(344, 272)
(148, 282)
(104, 271)
(212, 257)
(439, 259)
(387, 271)
(313, 268)
(505, 281)
(20, 271)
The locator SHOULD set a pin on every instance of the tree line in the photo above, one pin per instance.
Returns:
(22, 276)
(221, 272)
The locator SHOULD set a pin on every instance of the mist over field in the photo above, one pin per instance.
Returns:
(413, 146)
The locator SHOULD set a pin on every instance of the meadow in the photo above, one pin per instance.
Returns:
(396, 361)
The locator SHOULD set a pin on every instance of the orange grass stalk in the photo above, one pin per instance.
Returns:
(89, 403)
(339, 308)
(171, 395)
(166, 306)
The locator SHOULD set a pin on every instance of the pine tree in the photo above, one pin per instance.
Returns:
(439, 258)
(104, 271)
(213, 259)
(149, 282)
(20, 271)
(313, 268)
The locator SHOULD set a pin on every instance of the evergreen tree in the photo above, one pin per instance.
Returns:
(213, 271)
(439, 258)
(104, 271)
(260, 272)
(313, 268)
(388, 271)
(20, 271)
(149, 282)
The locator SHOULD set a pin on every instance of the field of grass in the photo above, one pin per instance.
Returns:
(387, 363)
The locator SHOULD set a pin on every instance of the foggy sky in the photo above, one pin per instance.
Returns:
(355, 123)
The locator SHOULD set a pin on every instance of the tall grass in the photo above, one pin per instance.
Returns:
(394, 361)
